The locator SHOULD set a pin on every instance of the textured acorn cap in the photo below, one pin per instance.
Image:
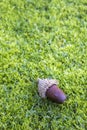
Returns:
(44, 84)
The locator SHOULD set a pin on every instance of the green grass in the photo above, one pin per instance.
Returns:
(46, 39)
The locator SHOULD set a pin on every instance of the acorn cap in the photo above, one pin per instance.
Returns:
(48, 88)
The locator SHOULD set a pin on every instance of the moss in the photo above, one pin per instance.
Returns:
(45, 39)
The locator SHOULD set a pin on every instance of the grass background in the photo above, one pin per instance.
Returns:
(46, 39)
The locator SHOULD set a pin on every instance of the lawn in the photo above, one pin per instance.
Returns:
(43, 39)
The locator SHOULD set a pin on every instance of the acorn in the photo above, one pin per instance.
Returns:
(47, 88)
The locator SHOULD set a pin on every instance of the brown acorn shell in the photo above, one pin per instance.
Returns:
(55, 94)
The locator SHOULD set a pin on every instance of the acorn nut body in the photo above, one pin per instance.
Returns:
(55, 94)
(47, 88)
